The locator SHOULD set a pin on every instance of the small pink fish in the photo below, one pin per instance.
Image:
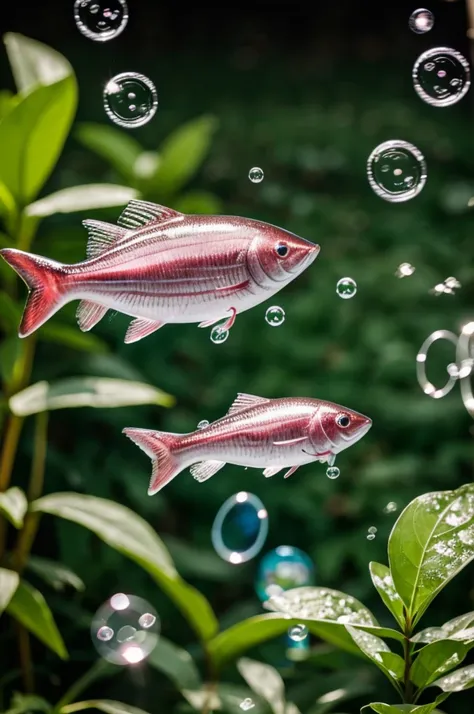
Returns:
(272, 434)
(159, 266)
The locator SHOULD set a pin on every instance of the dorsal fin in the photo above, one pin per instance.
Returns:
(138, 213)
(245, 401)
(102, 236)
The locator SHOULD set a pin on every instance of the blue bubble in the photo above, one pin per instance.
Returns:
(282, 569)
(240, 528)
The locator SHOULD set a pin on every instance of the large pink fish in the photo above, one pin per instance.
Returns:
(272, 434)
(159, 266)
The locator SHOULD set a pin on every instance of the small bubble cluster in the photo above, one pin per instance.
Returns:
(240, 528)
(275, 316)
(256, 174)
(130, 99)
(283, 569)
(333, 472)
(371, 533)
(101, 20)
(404, 270)
(421, 21)
(441, 76)
(447, 287)
(396, 171)
(125, 629)
(219, 334)
(346, 288)
(298, 633)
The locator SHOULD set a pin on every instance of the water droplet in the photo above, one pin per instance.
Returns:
(404, 270)
(118, 106)
(283, 569)
(346, 288)
(219, 334)
(247, 704)
(391, 507)
(421, 21)
(370, 536)
(100, 20)
(372, 529)
(240, 528)
(125, 629)
(202, 424)
(332, 472)
(298, 633)
(396, 171)
(256, 174)
(441, 76)
(275, 316)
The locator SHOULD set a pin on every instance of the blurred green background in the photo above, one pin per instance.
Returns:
(306, 94)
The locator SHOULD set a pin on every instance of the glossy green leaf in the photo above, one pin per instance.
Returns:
(459, 628)
(383, 583)
(8, 206)
(182, 153)
(8, 101)
(375, 649)
(126, 532)
(13, 505)
(72, 337)
(435, 659)
(265, 681)
(23, 703)
(82, 198)
(176, 663)
(432, 540)
(457, 681)
(57, 575)
(98, 392)
(9, 581)
(29, 607)
(34, 63)
(108, 706)
(117, 147)
(381, 708)
(198, 202)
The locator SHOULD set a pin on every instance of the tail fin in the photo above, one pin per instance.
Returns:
(159, 446)
(43, 277)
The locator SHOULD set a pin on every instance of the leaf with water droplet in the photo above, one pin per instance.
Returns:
(391, 664)
(435, 659)
(383, 583)
(460, 628)
(381, 708)
(265, 681)
(457, 681)
(432, 540)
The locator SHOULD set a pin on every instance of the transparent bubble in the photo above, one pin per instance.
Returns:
(202, 424)
(404, 270)
(332, 472)
(125, 629)
(101, 20)
(396, 171)
(240, 528)
(219, 334)
(391, 507)
(441, 76)
(372, 529)
(421, 21)
(246, 704)
(256, 174)
(346, 288)
(275, 316)
(130, 99)
(282, 569)
(370, 536)
(298, 633)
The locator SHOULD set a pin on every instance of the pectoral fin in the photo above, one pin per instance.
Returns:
(139, 328)
(205, 469)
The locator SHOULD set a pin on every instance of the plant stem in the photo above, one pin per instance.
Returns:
(408, 685)
(25, 659)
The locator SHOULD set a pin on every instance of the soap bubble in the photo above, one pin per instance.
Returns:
(391, 507)
(332, 472)
(240, 528)
(130, 99)
(371, 533)
(421, 21)
(404, 270)
(370, 536)
(256, 174)
(441, 76)
(101, 20)
(202, 424)
(298, 633)
(246, 704)
(275, 316)
(125, 629)
(396, 171)
(346, 288)
(219, 334)
(282, 569)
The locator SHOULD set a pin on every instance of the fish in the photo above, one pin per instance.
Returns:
(273, 434)
(160, 266)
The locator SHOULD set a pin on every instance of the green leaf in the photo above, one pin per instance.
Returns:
(176, 663)
(29, 607)
(383, 583)
(375, 649)
(34, 63)
(82, 198)
(9, 353)
(227, 697)
(109, 706)
(130, 535)
(460, 628)
(457, 681)
(9, 581)
(73, 338)
(57, 575)
(8, 100)
(96, 392)
(199, 562)
(198, 202)
(28, 703)
(182, 153)
(435, 659)
(10, 312)
(13, 505)
(7, 204)
(117, 147)
(400, 708)
(432, 540)
(265, 681)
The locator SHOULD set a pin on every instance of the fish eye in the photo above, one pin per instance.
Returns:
(281, 249)
(343, 420)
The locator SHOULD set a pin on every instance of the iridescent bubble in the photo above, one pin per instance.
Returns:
(130, 99)
(275, 316)
(333, 472)
(391, 507)
(256, 174)
(441, 76)
(100, 20)
(396, 171)
(346, 288)
(421, 21)
(202, 424)
(246, 704)
(240, 528)
(404, 270)
(297, 633)
(125, 629)
(219, 334)
(282, 569)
